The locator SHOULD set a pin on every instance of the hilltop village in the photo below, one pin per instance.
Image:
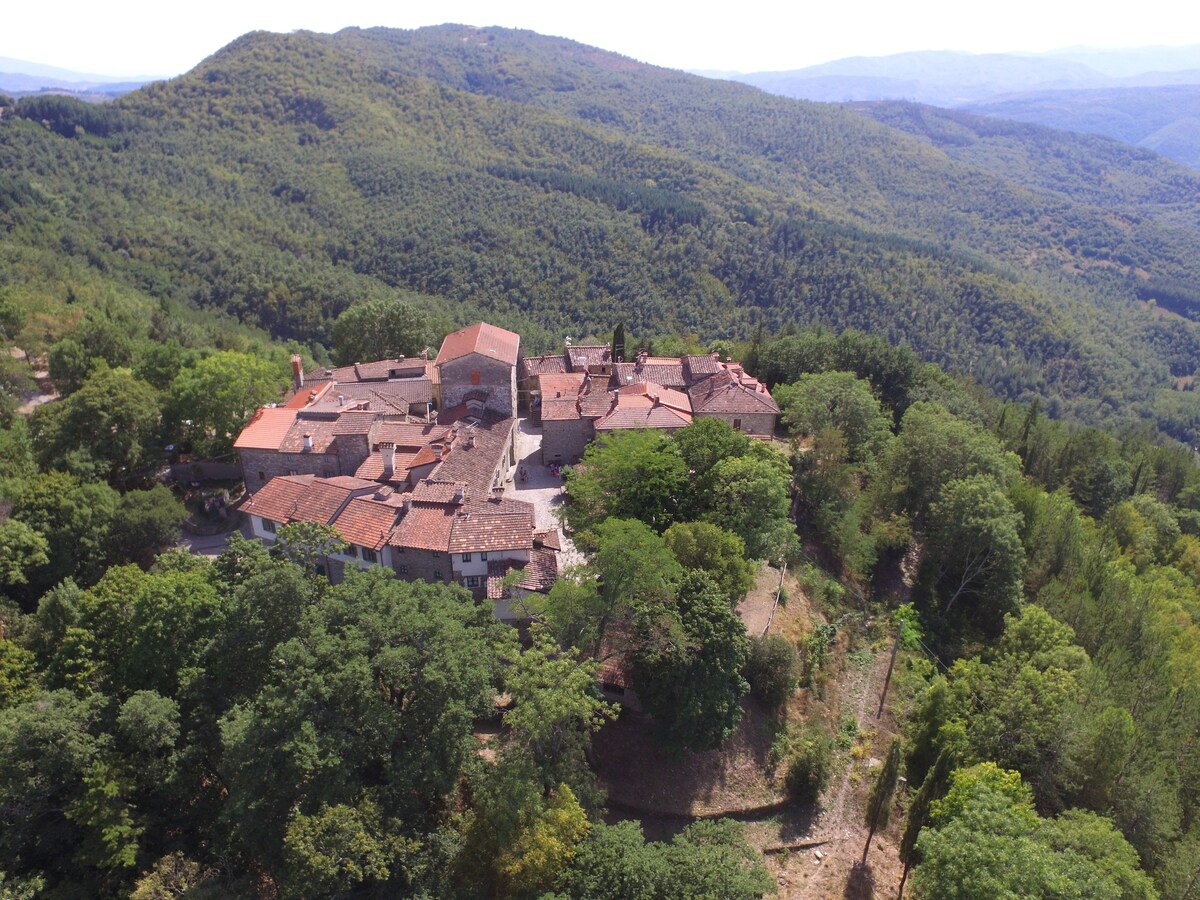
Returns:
(414, 462)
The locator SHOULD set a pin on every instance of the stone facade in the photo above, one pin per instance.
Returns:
(477, 375)
(564, 440)
(761, 424)
(260, 466)
(422, 565)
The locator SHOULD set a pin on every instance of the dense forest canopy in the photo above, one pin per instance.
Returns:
(543, 184)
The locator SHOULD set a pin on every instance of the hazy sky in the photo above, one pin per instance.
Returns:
(159, 37)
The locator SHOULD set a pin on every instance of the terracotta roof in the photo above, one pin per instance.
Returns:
(477, 465)
(279, 498)
(542, 365)
(326, 496)
(383, 396)
(663, 370)
(549, 539)
(429, 491)
(585, 356)
(372, 467)
(698, 367)
(266, 429)
(595, 404)
(484, 339)
(564, 384)
(475, 531)
(409, 434)
(308, 395)
(424, 528)
(377, 370)
(561, 409)
(724, 394)
(540, 573)
(497, 504)
(366, 522)
(647, 406)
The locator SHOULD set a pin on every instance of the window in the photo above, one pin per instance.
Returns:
(268, 526)
(262, 476)
(369, 555)
(401, 570)
(350, 550)
(737, 423)
(475, 379)
(483, 557)
(472, 581)
(466, 557)
(437, 574)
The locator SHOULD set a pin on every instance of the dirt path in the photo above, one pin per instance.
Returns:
(827, 861)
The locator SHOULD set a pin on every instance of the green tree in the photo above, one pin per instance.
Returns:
(974, 548)
(931, 449)
(21, 550)
(384, 328)
(690, 663)
(211, 402)
(108, 429)
(838, 400)
(398, 672)
(628, 474)
(772, 669)
(750, 498)
(719, 553)
(146, 523)
(307, 544)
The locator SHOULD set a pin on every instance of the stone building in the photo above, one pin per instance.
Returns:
(480, 363)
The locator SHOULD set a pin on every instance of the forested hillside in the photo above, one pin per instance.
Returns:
(558, 188)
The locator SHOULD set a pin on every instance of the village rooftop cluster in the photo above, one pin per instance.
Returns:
(408, 459)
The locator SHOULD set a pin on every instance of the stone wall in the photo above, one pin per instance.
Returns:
(474, 372)
(422, 565)
(563, 441)
(750, 423)
(260, 466)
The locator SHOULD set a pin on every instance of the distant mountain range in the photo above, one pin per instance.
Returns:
(560, 189)
(20, 76)
(1148, 97)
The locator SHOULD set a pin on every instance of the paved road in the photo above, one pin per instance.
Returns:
(541, 489)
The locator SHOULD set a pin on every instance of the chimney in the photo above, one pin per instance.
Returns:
(654, 398)
(406, 503)
(388, 449)
(297, 371)
(642, 356)
(308, 444)
(458, 496)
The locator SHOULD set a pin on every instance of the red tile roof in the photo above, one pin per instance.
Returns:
(541, 365)
(475, 532)
(477, 465)
(430, 491)
(585, 356)
(540, 573)
(366, 522)
(724, 393)
(560, 409)
(484, 339)
(266, 429)
(279, 499)
(424, 528)
(647, 406)
(560, 384)
(548, 539)
(662, 370)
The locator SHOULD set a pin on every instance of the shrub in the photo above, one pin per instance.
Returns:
(810, 764)
(773, 669)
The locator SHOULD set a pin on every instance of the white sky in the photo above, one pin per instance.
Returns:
(161, 37)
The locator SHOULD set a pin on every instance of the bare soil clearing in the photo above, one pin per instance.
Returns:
(814, 853)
